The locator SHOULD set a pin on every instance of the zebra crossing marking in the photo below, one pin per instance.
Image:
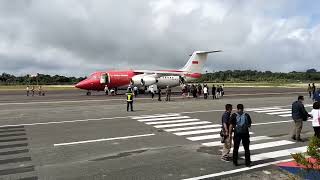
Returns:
(196, 130)
(15, 153)
(252, 139)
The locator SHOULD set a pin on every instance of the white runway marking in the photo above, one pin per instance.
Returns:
(237, 170)
(276, 154)
(252, 139)
(100, 140)
(266, 145)
(286, 115)
(193, 127)
(155, 116)
(262, 109)
(182, 124)
(200, 138)
(282, 112)
(164, 118)
(203, 131)
(269, 111)
(169, 122)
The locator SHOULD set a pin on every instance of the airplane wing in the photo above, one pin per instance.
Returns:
(160, 73)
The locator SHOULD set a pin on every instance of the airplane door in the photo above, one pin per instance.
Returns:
(104, 79)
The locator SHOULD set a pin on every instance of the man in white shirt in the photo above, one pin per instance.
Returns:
(205, 92)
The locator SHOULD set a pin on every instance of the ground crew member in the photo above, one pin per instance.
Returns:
(168, 93)
(129, 95)
(309, 90)
(159, 94)
(241, 122)
(299, 114)
(205, 92)
(226, 133)
(28, 90)
(32, 90)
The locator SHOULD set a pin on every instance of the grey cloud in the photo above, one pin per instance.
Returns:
(77, 37)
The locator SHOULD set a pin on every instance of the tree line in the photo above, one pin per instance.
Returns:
(261, 76)
(41, 79)
(310, 75)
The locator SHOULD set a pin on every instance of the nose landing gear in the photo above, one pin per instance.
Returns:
(88, 93)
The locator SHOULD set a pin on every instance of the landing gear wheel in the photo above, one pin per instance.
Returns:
(88, 93)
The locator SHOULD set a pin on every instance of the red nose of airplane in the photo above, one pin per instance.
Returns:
(81, 85)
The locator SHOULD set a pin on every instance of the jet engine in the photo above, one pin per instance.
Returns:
(143, 80)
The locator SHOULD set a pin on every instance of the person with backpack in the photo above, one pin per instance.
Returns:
(226, 133)
(241, 122)
(315, 113)
(299, 114)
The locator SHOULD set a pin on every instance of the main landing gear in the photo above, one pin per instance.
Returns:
(88, 93)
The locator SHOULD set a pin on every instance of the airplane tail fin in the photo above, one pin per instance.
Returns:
(196, 61)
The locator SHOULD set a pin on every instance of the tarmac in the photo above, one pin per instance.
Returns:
(67, 135)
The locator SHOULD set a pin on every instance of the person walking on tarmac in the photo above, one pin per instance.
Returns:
(213, 92)
(299, 114)
(316, 95)
(135, 91)
(129, 95)
(309, 90)
(28, 90)
(241, 122)
(39, 90)
(32, 90)
(205, 92)
(159, 94)
(106, 90)
(313, 90)
(168, 93)
(152, 91)
(226, 133)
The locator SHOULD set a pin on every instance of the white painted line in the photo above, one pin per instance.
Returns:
(193, 127)
(218, 143)
(200, 138)
(203, 131)
(155, 116)
(276, 154)
(237, 170)
(266, 145)
(62, 122)
(100, 140)
(283, 112)
(274, 110)
(261, 109)
(272, 122)
(165, 118)
(182, 124)
(286, 115)
(169, 122)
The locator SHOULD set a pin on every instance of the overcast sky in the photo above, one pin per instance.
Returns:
(77, 37)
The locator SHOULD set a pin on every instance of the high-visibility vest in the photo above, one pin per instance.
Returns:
(129, 97)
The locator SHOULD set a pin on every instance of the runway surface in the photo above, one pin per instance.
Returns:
(67, 135)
